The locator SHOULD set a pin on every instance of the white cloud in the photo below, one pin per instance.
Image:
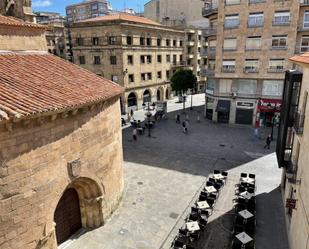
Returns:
(41, 3)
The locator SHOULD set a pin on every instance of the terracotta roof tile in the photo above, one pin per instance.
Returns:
(304, 58)
(36, 83)
(14, 22)
(123, 17)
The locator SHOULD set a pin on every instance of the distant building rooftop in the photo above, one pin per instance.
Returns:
(304, 58)
(15, 22)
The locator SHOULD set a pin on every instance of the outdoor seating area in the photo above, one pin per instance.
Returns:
(195, 224)
(245, 213)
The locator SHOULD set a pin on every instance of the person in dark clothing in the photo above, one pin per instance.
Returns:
(131, 112)
(268, 141)
(177, 119)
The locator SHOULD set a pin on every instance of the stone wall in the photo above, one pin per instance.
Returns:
(35, 170)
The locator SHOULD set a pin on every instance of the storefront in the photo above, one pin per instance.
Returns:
(209, 108)
(244, 112)
(266, 111)
(223, 111)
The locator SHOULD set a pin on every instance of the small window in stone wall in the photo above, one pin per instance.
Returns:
(129, 40)
(82, 60)
(97, 60)
(95, 41)
(113, 60)
(131, 78)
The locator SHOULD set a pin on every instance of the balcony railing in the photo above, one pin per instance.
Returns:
(301, 49)
(210, 31)
(209, 10)
(275, 70)
(208, 51)
(251, 70)
(228, 70)
(256, 1)
(255, 24)
(279, 47)
(304, 2)
(233, 25)
(299, 121)
(281, 23)
(179, 63)
(207, 72)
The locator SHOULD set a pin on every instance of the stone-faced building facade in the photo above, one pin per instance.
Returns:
(18, 8)
(60, 144)
(137, 53)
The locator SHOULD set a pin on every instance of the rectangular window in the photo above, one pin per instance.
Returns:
(253, 43)
(251, 66)
(149, 59)
(130, 59)
(129, 40)
(174, 58)
(159, 42)
(95, 41)
(168, 42)
(82, 60)
(148, 41)
(131, 78)
(159, 75)
(142, 41)
(228, 66)
(167, 74)
(256, 20)
(304, 45)
(232, 2)
(143, 76)
(231, 21)
(225, 86)
(247, 86)
(180, 43)
(211, 64)
(149, 76)
(80, 41)
(174, 43)
(306, 19)
(143, 59)
(230, 44)
(159, 58)
(279, 41)
(113, 60)
(94, 6)
(168, 58)
(276, 65)
(272, 87)
(281, 18)
(112, 40)
(97, 60)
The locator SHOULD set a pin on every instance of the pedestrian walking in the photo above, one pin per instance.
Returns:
(268, 141)
(132, 113)
(177, 119)
(134, 134)
(184, 127)
(187, 125)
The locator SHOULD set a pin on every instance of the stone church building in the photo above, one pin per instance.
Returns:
(60, 143)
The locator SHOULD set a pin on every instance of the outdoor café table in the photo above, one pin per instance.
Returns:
(202, 204)
(218, 176)
(247, 180)
(192, 226)
(210, 189)
(245, 214)
(244, 238)
(246, 195)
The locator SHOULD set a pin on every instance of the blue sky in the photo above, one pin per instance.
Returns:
(59, 5)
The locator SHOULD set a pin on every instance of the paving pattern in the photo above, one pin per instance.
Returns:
(164, 173)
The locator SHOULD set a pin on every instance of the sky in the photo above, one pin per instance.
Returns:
(59, 5)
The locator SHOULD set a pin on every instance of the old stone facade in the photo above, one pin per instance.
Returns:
(60, 144)
(18, 8)
(249, 46)
(292, 153)
(135, 52)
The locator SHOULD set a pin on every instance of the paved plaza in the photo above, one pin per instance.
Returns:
(164, 173)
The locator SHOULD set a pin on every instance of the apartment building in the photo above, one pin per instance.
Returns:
(292, 152)
(87, 9)
(249, 43)
(137, 53)
(195, 55)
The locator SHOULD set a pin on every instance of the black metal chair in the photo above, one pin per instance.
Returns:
(236, 244)
(217, 186)
(217, 171)
(210, 179)
(221, 182)
(189, 247)
(183, 232)
(251, 190)
(177, 244)
(224, 173)
(195, 210)
(202, 223)
(205, 212)
(210, 202)
(202, 198)
(252, 176)
(244, 175)
(193, 217)
(208, 184)
(194, 236)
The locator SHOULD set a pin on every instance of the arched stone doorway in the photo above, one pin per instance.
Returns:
(132, 100)
(67, 215)
(79, 206)
(146, 96)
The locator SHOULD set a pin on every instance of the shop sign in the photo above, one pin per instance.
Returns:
(243, 104)
(290, 203)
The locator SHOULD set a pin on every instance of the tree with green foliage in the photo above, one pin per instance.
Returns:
(182, 80)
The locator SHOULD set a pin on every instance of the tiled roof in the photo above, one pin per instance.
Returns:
(122, 17)
(14, 22)
(304, 58)
(36, 83)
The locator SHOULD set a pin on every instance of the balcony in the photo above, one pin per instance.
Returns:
(211, 31)
(209, 10)
(255, 24)
(304, 2)
(251, 70)
(279, 47)
(210, 52)
(281, 23)
(301, 49)
(299, 121)
(207, 72)
(231, 25)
